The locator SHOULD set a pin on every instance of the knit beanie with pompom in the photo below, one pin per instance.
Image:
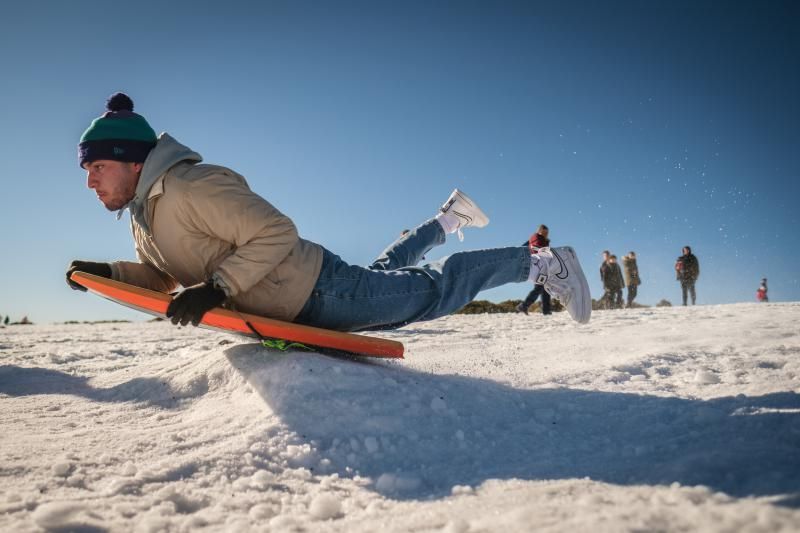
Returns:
(119, 134)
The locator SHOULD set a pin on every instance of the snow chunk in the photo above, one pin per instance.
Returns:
(66, 516)
(261, 480)
(462, 490)
(325, 507)
(129, 469)
(706, 377)
(456, 526)
(62, 469)
(262, 511)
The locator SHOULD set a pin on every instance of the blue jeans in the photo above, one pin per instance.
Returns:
(393, 291)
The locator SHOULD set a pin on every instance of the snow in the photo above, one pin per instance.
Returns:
(664, 419)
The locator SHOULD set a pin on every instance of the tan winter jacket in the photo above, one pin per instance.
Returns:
(191, 222)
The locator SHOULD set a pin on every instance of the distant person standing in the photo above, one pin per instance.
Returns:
(603, 271)
(631, 276)
(613, 283)
(687, 270)
(761, 293)
(540, 239)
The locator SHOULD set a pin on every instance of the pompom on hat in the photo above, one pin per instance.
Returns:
(119, 134)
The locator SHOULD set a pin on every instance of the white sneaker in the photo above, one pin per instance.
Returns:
(562, 277)
(466, 210)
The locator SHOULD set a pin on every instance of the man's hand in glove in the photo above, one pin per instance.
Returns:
(98, 269)
(191, 304)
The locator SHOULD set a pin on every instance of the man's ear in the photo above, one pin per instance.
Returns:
(138, 167)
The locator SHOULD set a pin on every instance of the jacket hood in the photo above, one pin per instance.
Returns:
(166, 154)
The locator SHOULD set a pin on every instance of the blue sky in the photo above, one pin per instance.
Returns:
(625, 126)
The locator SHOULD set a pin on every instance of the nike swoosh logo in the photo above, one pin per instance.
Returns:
(467, 218)
(564, 270)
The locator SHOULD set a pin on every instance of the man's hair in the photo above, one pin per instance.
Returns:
(631, 253)
(606, 252)
(541, 227)
(612, 256)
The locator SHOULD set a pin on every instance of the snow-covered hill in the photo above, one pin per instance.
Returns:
(651, 419)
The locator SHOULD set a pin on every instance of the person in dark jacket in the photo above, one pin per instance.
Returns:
(613, 282)
(687, 271)
(540, 239)
(631, 276)
(603, 270)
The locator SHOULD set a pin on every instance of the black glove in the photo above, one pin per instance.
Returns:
(191, 304)
(98, 269)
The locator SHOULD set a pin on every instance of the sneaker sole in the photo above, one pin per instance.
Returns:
(585, 297)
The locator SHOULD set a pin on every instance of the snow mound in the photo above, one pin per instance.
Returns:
(667, 419)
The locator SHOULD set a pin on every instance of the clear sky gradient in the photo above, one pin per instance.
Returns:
(623, 125)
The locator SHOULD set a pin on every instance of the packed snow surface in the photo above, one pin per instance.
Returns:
(666, 419)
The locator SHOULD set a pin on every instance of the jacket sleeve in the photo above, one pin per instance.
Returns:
(223, 206)
(143, 275)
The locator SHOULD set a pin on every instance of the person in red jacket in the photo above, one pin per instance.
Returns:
(761, 293)
(538, 240)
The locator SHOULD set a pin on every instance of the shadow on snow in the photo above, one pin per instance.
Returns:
(25, 381)
(418, 435)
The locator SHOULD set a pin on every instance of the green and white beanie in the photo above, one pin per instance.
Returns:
(118, 135)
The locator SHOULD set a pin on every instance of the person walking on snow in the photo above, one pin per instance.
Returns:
(537, 240)
(687, 270)
(604, 303)
(631, 276)
(614, 283)
(201, 227)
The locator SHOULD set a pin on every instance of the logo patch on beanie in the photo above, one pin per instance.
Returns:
(118, 150)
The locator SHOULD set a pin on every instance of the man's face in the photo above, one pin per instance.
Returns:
(605, 256)
(113, 181)
(685, 251)
(544, 233)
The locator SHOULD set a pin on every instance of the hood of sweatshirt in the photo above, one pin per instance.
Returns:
(166, 154)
